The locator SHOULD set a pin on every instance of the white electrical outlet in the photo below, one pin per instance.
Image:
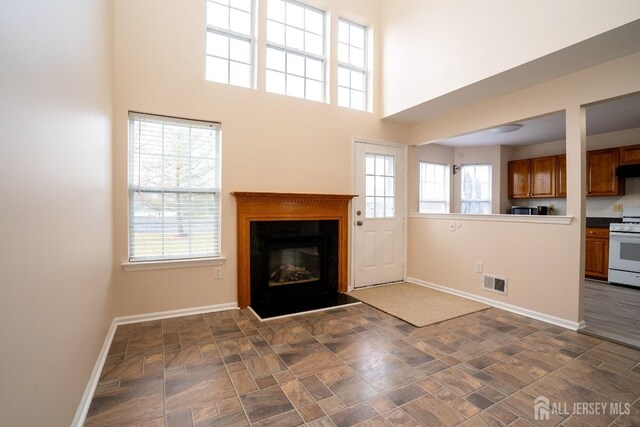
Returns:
(217, 273)
(479, 267)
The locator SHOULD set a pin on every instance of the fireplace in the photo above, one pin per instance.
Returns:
(292, 251)
(292, 259)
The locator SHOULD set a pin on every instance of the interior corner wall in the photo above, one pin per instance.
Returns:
(56, 217)
(269, 142)
(542, 261)
(434, 47)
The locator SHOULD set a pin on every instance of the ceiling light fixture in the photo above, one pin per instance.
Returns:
(507, 128)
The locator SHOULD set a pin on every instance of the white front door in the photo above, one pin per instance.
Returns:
(379, 214)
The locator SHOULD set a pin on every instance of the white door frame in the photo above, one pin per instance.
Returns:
(352, 216)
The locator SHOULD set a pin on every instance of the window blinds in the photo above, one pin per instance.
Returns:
(174, 188)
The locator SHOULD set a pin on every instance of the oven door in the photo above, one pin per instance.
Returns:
(624, 251)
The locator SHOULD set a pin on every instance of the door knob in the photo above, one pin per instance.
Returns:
(359, 223)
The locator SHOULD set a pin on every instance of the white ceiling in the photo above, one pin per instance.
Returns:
(608, 116)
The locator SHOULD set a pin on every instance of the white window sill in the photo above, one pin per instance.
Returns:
(174, 263)
(537, 219)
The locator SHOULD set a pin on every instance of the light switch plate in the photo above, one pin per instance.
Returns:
(617, 207)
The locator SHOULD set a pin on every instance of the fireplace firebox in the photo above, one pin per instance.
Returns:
(292, 261)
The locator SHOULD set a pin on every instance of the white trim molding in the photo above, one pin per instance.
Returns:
(565, 323)
(85, 402)
(174, 263)
(536, 219)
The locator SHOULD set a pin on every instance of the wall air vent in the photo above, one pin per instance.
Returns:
(494, 283)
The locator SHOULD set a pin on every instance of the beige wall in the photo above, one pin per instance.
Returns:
(433, 47)
(546, 274)
(270, 142)
(56, 216)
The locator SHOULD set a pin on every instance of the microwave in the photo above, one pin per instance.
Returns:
(529, 210)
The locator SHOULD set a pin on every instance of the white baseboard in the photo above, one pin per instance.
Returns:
(569, 324)
(85, 402)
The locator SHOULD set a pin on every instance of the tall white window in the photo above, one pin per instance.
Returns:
(475, 192)
(229, 57)
(295, 50)
(434, 188)
(352, 71)
(174, 188)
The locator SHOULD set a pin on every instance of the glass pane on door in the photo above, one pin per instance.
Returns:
(380, 186)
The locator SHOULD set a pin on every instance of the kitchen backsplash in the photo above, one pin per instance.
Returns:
(596, 206)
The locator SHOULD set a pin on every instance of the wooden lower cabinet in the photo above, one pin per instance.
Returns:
(596, 262)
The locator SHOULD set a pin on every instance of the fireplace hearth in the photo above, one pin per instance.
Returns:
(292, 252)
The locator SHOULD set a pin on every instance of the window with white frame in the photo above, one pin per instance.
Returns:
(434, 188)
(380, 200)
(352, 71)
(229, 56)
(475, 191)
(174, 188)
(295, 50)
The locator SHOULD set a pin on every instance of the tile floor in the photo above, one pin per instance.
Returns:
(358, 366)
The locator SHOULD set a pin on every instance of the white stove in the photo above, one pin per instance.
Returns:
(624, 249)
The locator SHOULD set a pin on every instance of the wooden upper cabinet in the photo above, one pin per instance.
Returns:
(543, 174)
(561, 176)
(530, 178)
(520, 179)
(630, 155)
(601, 172)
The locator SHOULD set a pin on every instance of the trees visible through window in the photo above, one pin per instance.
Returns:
(434, 188)
(174, 188)
(475, 189)
(230, 42)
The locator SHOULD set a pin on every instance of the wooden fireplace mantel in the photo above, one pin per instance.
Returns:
(289, 207)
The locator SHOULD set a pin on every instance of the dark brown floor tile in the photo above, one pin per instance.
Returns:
(412, 356)
(188, 355)
(129, 405)
(200, 415)
(264, 366)
(235, 419)
(378, 421)
(261, 346)
(328, 376)
(229, 405)
(182, 419)
(265, 403)
(501, 414)
(492, 394)
(233, 346)
(354, 415)
(502, 386)
(458, 381)
(454, 401)
(481, 420)
(381, 404)
(289, 419)
(512, 374)
(306, 361)
(429, 411)
(315, 387)
(386, 368)
(125, 369)
(283, 377)
(522, 404)
(405, 394)
(619, 387)
(265, 382)
(399, 418)
(243, 382)
(331, 405)
(352, 390)
(311, 412)
(296, 393)
(352, 348)
(197, 389)
(479, 400)
(432, 367)
(482, 362)
(428, 385)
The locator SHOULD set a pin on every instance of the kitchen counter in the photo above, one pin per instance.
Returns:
(600, 222)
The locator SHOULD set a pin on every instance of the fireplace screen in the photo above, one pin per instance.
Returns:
(292, 266)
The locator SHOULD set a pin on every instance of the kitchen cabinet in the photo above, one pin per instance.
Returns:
(596, 261)
(601, 173)
(630, 155)
(531, 178)
(561, 176)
